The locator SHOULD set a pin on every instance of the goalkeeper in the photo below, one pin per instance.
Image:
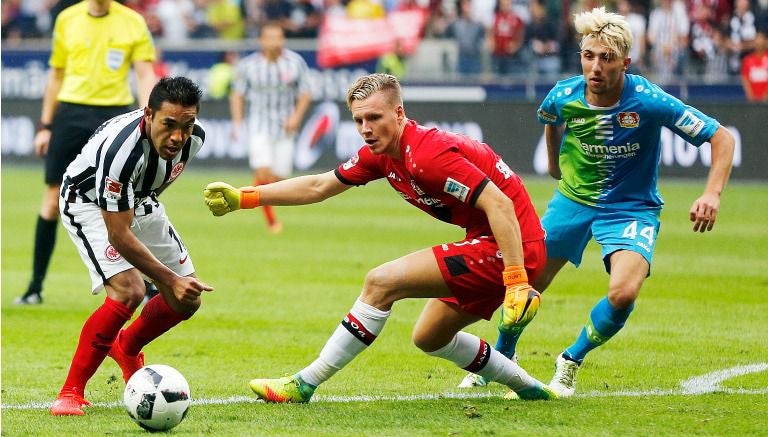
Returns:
(454, 179)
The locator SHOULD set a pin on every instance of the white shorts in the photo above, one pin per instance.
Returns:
(275, 152)
(151, 226)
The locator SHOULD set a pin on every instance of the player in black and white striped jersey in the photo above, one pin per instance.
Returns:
(275, 85)
(110, 208)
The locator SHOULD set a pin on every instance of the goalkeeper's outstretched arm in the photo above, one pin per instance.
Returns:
(222, 198)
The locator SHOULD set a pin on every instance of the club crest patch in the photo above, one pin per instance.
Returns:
(177, 169)
(628, 120)
(111, 253)
(112, 189)
(456, 189)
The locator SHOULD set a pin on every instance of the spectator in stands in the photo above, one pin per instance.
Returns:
(226, 18)
(702, 39)
(668, 28)
(334, 8)
(146, 8)
(469, 35)
(506, 40)
(393, 62)
(412, 6)
(365, 9)
(719, 11)
(543, 40)
(743, 32)
(761, 14)
(441, 14)
(200, 28)
(276, 11)
(40, 11)
(17, 23)
(754, 70)
(176, 19)
(637, 25)
(221, 75)
(523, 10)
(484, 11)
(717, 67)
(304, 21)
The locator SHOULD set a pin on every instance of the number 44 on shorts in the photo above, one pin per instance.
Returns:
(647, 232)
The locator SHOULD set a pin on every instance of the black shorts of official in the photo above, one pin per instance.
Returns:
(72, 126)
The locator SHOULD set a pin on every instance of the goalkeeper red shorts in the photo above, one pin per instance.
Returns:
(472, 269)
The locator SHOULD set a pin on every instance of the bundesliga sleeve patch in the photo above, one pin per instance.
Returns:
(456, 189)
(112, 189)
(351, 162)
(689, 124)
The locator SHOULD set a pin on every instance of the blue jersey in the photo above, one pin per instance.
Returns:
(609, 155)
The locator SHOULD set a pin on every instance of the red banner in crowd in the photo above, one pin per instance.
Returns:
(345, 41)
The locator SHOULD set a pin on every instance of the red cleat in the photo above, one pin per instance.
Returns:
(129, 364)
(69, 403)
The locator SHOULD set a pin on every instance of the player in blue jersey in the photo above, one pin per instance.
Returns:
(603, 134)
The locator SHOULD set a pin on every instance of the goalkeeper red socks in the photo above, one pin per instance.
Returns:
(96, 338)
(155, 319)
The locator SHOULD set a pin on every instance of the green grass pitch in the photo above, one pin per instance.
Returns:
(692, 360)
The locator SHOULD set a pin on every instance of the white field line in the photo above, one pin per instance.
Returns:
(711, 381)
(699, 385)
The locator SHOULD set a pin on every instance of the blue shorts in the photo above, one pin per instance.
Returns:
(570, 225)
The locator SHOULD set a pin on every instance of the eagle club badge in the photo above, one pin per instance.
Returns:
(111, 253)
(629, 119)
(177, 169)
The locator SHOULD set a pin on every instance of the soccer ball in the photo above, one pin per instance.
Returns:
(157, 397)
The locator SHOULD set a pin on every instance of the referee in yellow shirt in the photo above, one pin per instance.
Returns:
(94, 44)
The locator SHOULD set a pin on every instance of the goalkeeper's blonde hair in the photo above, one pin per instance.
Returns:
(609, 30)
(366, 86)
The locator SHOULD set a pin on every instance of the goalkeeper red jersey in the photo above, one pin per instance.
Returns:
(443, 174)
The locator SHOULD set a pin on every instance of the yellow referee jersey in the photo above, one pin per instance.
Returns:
(96, 53)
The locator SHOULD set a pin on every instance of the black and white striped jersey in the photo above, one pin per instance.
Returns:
(118, 169)
(271, 88)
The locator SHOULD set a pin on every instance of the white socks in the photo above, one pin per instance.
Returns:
(364, 323)
(473, 354)
(355, 333)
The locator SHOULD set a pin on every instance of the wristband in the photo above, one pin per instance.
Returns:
(249, 197)
(514, 275)
(43, 126)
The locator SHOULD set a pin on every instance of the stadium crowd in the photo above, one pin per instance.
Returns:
(705, 38)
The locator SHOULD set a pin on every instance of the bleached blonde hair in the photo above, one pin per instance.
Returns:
(609, 30)
(366, 86)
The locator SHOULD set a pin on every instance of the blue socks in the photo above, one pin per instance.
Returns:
(604, 322)
(507, 341)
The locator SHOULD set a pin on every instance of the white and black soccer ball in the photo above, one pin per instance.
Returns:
(157, 397)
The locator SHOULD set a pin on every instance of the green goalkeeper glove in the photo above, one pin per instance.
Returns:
(521, 301)
(222, 198)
